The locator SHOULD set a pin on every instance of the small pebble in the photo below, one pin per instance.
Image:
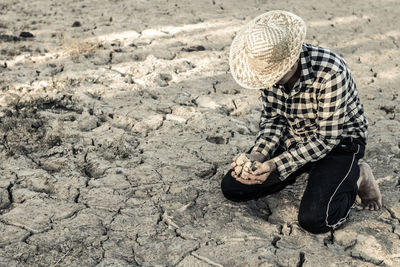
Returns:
(76, 24)
(194, 48)
(26, 35)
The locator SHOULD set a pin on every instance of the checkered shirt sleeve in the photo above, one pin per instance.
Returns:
(332, 100)
(271, 127)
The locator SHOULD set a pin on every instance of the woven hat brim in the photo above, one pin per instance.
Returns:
(249, 78)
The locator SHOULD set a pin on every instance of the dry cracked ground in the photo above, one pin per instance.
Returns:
(119, 118)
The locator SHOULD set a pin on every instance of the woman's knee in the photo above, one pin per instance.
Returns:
(312, 222)
(230, 190)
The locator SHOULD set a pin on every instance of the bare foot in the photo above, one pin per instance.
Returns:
(368, 189)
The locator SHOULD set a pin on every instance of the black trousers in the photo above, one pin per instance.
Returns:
(331, 188)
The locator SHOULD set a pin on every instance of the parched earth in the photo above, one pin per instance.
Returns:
(119, 118)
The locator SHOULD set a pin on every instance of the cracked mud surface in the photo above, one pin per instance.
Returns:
(119, 118)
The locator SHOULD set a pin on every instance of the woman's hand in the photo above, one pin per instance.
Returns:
(259, 175)
(254, 156)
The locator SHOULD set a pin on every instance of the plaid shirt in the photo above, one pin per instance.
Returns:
(309, 121)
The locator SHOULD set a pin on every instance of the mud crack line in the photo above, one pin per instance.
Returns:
(206, 260)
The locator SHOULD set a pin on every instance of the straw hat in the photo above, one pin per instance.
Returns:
(266, 48)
